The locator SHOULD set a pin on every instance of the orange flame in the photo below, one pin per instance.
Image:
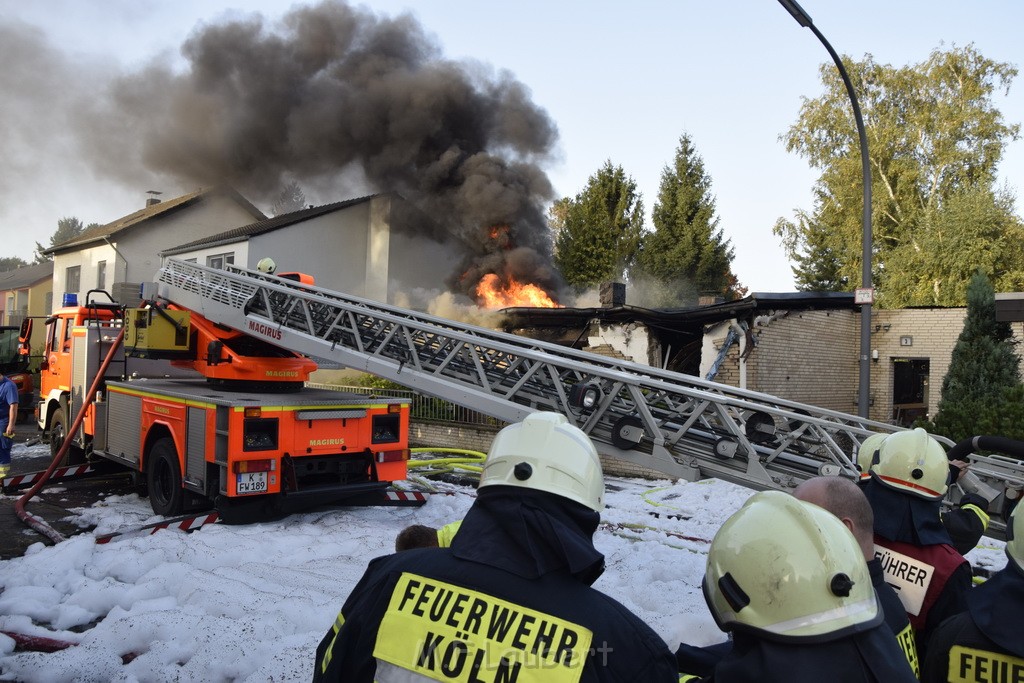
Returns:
(492, 293)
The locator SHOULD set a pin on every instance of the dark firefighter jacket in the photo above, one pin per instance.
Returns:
(966, 523)
(701, 661)
(870, 656)
(511, 594)
(984, 644)
(932, 577)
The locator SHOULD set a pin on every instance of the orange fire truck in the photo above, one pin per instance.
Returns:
(202, 413)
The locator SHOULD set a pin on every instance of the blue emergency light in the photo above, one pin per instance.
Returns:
(70, 299)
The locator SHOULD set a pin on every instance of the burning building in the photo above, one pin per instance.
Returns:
(348, 103)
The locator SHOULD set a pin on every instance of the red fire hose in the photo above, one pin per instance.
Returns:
(19, 507)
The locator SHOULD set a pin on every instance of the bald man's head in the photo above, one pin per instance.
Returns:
(845, 500)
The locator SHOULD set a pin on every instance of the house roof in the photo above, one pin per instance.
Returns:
(26, 276)
(266, 225)
(163, 208)
(680, 319)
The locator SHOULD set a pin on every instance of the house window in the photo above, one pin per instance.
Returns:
(101, 275)
(220, 260)
(73, 279)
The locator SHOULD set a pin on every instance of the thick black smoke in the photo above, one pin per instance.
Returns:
(335, 91)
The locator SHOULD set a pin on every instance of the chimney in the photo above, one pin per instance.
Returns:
(152, 199)
(612, 294)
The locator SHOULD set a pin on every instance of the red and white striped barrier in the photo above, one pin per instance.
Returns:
(187, 523)
(406, 496)
(23, 481)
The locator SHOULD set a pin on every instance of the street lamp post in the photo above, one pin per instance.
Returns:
(866, 293)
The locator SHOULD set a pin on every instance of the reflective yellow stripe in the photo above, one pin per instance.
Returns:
(967, 665)
(688, 677)
(982, 515)
(446, 533)
(909, 646)
(329, 652)
(444, 632)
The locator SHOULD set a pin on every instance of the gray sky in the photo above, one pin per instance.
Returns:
(620, 81)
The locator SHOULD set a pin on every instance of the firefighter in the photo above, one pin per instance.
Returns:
(907, 483)
(845, 500)
(966, 523)
(984, 643)
(8, 418)
(422, 536)
(511, 599)
(790, 583)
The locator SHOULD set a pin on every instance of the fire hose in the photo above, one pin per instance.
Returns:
(24, 515)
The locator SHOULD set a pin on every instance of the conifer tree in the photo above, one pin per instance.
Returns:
(601, 229)
(984, 376)
(687, 254)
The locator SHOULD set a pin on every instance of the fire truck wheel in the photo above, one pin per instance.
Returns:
(58, 432)
(166, 496)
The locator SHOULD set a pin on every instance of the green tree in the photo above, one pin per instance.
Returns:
(68, 228)
(602, 228)
(291, 198)
(934, 134)
(687, 254)
(983, 374)
(973, 230)
(11, 262)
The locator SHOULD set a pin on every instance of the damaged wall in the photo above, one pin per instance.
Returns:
(805, 356)
(633, 341)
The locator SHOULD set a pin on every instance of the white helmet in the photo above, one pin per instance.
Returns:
(866, 453)
(266, 265)
(546, 453)
(1015, 537)
(790, 571)
(913, 462)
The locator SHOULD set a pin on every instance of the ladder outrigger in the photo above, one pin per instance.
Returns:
(669, 422)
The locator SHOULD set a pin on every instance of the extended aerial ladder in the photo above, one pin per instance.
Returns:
(676, 424)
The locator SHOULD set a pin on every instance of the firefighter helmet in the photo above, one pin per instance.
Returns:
(913, 462)
(1015, 537)
(546, 453)
(867, 452)
(266, 265)
(790, 571)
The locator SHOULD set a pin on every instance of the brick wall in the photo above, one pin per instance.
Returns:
(805, 356)
(812, 356)
(931, 333)
(808, 356)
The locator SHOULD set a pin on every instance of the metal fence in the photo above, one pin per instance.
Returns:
(423, 408)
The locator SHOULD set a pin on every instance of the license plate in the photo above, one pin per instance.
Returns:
(252, 482)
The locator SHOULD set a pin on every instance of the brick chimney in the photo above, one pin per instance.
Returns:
(612, 294)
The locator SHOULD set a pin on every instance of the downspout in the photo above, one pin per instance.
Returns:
(117, 252)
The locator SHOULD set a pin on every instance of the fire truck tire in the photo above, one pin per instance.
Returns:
(59, 432)
(166, 496)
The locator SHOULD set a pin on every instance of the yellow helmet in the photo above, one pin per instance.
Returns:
(788, 570)
(913, 462)
(546, 453)
(266, 265)
(866, 453)
(1015, 537)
